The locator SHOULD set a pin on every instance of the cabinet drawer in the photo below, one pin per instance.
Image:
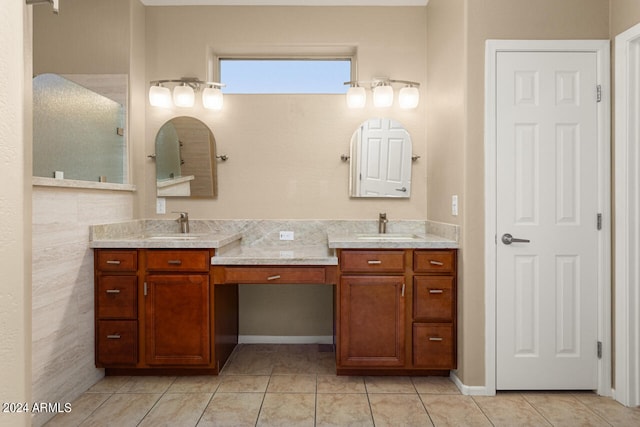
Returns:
(433, 346)
(117, 297)
(275, 275)
(112, 260)
(178, 260)
(391, 261)
(433, 298)
(434, 261)
(117, 342)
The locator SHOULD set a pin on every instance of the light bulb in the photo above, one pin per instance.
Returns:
(183, 96)
(409, 97)
(356, 97)
(212, 98)
(383, 96)
(160, 96)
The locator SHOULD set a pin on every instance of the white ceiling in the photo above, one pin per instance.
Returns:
(285, 2)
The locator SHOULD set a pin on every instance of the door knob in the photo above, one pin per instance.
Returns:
(508, 239)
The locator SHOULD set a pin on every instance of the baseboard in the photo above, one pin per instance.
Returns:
(274, 339)
(469, 390)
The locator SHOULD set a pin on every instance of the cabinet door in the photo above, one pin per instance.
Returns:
(177, 320)
(372, 321)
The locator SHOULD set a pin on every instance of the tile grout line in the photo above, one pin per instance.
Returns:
(157, 401)
(482, 411)
(422, 401)
(208, 403)
(535, 408)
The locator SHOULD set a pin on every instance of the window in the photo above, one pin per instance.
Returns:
(296, 76)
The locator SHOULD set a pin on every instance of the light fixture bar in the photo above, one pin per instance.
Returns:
(383, 94)
(183, 93)
(377, 82)
(195, 83)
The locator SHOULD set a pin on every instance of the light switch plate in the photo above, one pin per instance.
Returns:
(161, 205)
(286, 235)
(454, 205)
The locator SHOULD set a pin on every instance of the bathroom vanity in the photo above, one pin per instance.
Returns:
(167, 303)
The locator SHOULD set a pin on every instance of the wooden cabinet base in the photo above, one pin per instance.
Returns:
(140, 372)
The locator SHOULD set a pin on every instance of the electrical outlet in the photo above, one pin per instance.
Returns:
(161, 205)
(454, 205)
(286, 235)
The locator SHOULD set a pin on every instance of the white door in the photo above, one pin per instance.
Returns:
(547, 290)
(386, 159)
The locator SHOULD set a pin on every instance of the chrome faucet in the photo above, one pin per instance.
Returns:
(382, 223)
(183, 220)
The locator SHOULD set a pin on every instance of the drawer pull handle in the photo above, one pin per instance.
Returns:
(374, 262)
(435, 291)
(113, 261)
(403, 290)
(174, 262)
(113, 291)
(277, 276)
(432, 262)
(435, 339)
(113, 337)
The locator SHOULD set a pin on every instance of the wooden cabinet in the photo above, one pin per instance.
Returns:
(116, 308)
(434, 309)
(372, 313)
(154, 311)
(177, 309)
(396, 311)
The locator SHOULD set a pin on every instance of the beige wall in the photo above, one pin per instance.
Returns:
(85, 37)
(624, 14)
(284, 150)
(15, 208)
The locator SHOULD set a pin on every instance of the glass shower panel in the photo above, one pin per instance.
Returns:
(77, 131)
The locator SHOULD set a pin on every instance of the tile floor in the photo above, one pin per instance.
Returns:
(296, 385)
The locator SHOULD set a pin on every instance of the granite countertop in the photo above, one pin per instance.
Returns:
(257, 242)
(294, 254)
(389, 241)
(167, 241)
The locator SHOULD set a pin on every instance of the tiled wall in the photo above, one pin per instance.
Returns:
(62, 318)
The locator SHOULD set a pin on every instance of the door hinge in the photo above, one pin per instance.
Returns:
(599, 349)
(599, 221)
(598, 93)
(144, 289)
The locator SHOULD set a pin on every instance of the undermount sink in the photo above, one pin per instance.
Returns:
(387, 236)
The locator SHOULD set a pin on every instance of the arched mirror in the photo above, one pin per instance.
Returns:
(380, 160)
(186, 159)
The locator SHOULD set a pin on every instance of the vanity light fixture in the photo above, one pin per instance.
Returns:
(383, 93)
(184, 93)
